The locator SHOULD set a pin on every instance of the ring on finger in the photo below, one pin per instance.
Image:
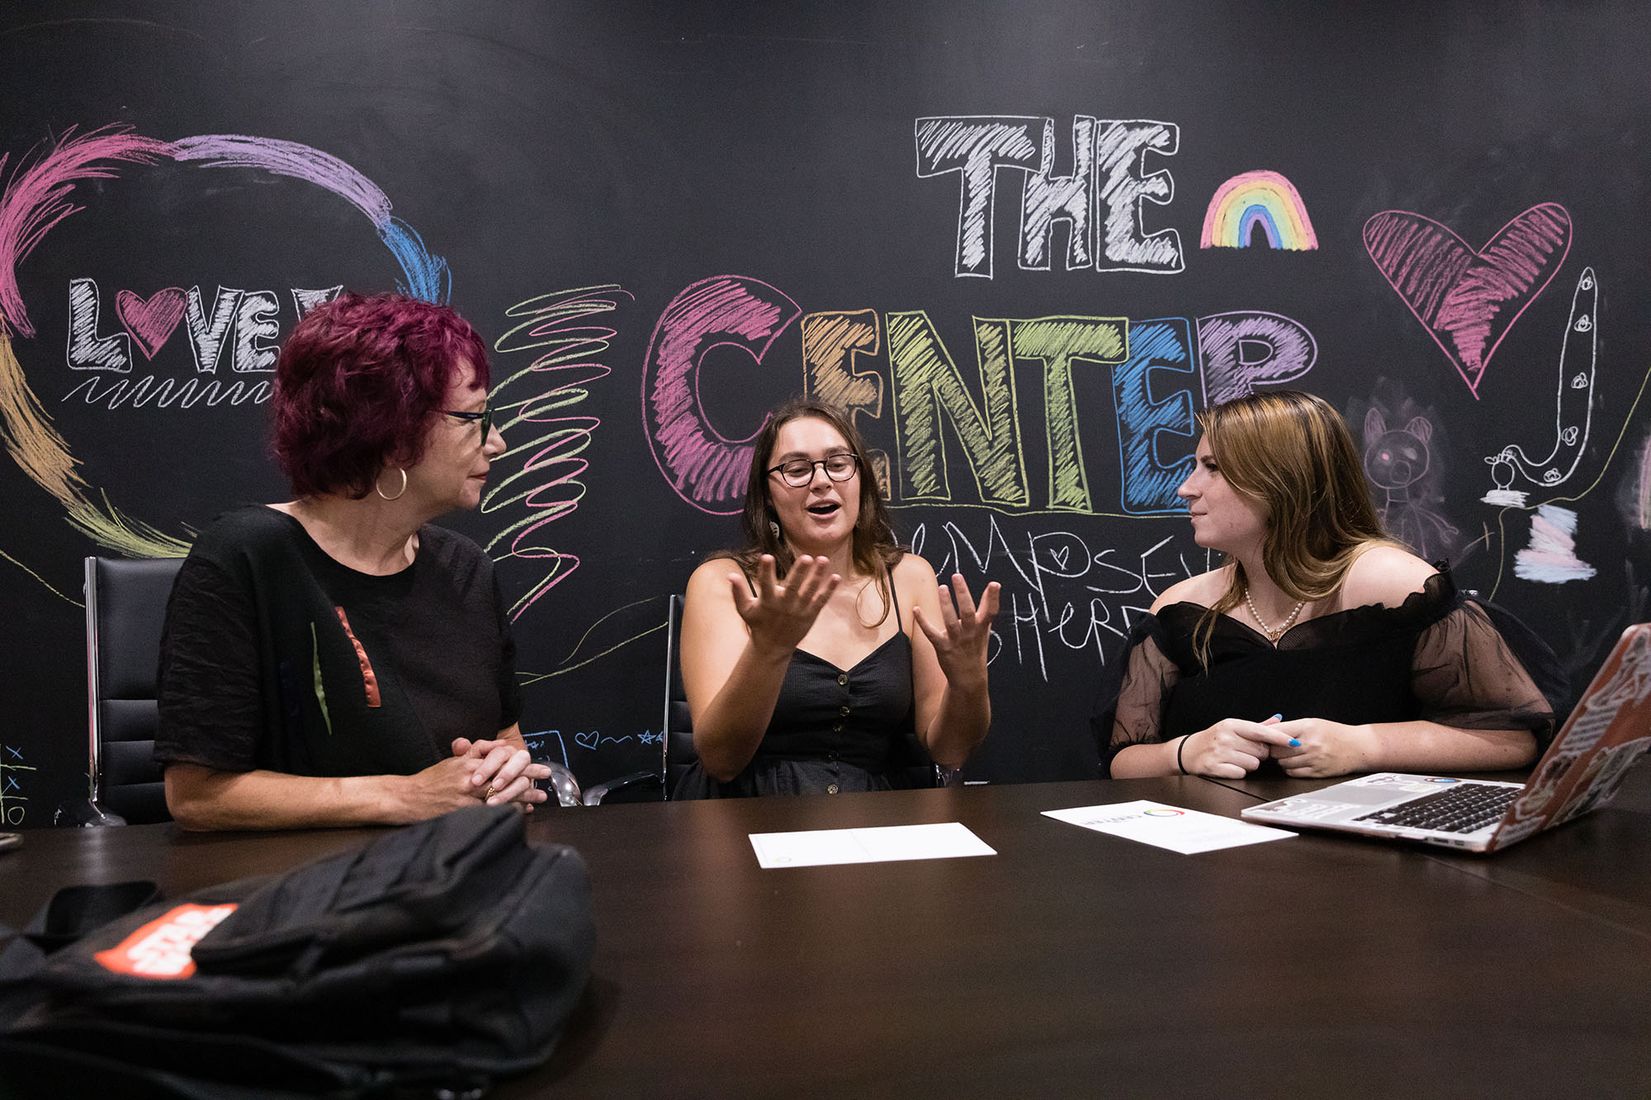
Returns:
(490, 792)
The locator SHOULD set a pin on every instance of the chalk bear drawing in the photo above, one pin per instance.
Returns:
(1395, 459)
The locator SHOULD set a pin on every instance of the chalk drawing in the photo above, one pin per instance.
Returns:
(87, 350)
(44, 191)
(1468, 300)
(702, 466)
(1399, 462)
(1064, 594)
(540, 482)
(1121, 150)
(1156, 436)
(15, 770)
(1057, 344)
(590, 647)
(152, 320)
(929, 389)
(1047, 198)
(975, 147)
(1258, 199)
(1551, 556)
(1243, 350)
(1104, 196)
(1573, 408)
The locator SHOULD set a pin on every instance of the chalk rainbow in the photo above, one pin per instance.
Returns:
(1257, 198)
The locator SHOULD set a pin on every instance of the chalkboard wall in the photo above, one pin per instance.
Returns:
(1025, 240)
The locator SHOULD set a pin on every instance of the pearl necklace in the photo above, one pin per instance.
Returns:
(1272, 635)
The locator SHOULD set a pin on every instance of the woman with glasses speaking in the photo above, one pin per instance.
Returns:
(336, 659)
(810, 654)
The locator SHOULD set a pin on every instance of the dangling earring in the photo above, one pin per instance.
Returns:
(774, 529)
(399, 494)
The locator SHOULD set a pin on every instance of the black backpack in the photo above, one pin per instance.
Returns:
(433, 960)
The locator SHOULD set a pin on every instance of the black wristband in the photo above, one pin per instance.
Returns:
(1179, 745)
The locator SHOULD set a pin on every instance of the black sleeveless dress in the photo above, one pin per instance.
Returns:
(833, 731)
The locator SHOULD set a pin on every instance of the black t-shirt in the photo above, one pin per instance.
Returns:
(276, 656)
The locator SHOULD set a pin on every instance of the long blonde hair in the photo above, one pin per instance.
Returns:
(1292, 453)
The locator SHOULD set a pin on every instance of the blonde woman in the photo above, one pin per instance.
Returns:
(1319, 642)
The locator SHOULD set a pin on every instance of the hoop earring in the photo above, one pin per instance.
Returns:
(399, 495)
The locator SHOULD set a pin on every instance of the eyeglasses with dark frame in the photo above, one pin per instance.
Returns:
(485, 416)
(799, 472)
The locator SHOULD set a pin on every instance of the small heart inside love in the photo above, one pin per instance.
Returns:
(1469, 299)
(151, 320)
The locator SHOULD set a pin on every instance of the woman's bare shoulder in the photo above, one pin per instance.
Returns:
(1384, 574)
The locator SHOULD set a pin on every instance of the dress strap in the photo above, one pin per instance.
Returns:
(895, 600)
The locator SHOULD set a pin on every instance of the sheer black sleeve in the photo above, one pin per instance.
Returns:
(1465, 675)
(1129, 709)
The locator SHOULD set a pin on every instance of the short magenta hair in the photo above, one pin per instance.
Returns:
(357, 384)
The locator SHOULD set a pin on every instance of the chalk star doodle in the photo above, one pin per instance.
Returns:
(1468, 300)
(1573, 410)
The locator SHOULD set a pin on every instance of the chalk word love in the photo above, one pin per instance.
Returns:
(244, 320)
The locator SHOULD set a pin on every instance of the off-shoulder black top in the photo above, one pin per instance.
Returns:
(1437, 657)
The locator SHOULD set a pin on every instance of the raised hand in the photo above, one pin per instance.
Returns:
(779, 615)
(960, 639)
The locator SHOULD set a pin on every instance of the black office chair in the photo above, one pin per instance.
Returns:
(125, 611)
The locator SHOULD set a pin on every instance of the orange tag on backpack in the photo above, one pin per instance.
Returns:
(162, 948)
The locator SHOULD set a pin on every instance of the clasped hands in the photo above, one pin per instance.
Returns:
(1305, 748)
(499, 773)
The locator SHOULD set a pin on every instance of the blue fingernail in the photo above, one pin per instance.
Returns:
(1295, 743)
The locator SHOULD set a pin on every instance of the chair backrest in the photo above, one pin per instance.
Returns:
(125, 612)
(677, 745)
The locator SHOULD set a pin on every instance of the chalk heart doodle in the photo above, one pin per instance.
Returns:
(1468, 300)
(151, 320)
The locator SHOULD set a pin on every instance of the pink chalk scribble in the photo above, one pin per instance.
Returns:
(42, 195)
(1468, 300)
(705, 468)
(547, 486)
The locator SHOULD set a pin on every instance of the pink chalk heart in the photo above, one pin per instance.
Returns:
(150, 322)
(1468, 300)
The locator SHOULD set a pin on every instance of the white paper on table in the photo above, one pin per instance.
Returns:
(1184, 831)
(885, 844)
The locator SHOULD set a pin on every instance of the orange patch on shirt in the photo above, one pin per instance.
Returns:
(369, 679)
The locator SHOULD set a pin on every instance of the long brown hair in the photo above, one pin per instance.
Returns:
(1292, 453)
(875, 550)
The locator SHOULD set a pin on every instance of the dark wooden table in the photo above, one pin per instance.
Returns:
(1069, 963)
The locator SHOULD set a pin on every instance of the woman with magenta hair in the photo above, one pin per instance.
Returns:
(1320, 642)
(336, 659)
(813, 652)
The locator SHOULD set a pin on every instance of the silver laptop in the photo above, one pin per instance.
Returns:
(1609, 730)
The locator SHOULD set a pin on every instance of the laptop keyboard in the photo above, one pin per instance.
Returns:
(1457, 809)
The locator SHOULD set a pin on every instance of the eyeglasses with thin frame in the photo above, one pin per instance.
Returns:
(485, 416)
(799, 472)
